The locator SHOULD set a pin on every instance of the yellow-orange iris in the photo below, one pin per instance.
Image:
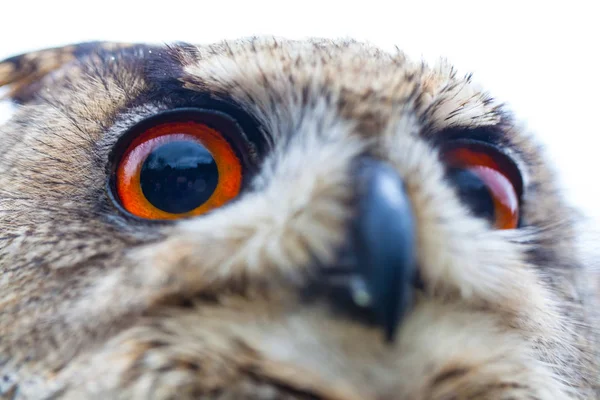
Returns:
(128, 183)
(490, 171)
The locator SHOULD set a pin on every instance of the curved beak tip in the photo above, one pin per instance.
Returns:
(385, 245)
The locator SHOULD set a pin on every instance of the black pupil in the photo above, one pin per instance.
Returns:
(473, 192)
(179, 176)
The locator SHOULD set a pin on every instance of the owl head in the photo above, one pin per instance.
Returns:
(266, 218)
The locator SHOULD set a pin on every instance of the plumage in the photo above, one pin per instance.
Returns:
(289, 290)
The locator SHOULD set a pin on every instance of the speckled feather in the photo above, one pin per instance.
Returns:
(95, 304)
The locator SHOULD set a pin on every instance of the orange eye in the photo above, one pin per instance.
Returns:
(487, 180)
(177, 169)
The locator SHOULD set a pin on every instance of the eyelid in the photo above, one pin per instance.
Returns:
(497, 156)
(497, 170)
(216, 120)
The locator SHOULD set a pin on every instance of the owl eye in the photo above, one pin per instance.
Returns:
(486, 179)
(176, 168)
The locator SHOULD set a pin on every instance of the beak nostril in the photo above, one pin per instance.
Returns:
(376, 273)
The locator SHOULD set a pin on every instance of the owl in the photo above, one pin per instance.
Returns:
(277, 219)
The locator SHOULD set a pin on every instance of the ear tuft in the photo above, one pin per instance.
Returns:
(21, 73)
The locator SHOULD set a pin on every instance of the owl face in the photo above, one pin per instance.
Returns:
(274, 219)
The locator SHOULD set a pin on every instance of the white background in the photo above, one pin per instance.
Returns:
(538, 56)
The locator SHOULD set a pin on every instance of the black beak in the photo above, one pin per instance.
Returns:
(385, 243)
(379, 261)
